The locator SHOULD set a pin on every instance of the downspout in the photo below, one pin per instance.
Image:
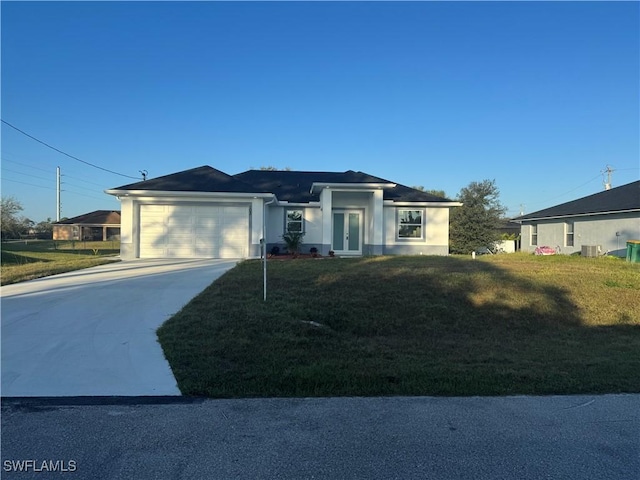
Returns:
(264, 246)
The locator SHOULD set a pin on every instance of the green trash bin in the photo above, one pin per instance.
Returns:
(633, 251)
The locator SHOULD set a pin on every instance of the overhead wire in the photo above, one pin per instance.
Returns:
(25, 174)
(25, 183)
(25, 164)
(48, 171)
(65, 153)
(570, 191)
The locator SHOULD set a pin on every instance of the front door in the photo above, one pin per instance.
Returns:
(347, 232)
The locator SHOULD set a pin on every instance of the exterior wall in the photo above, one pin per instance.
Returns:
(130, 219)
(62, 232)
(379, 234)
(434, 242)
(587, 230)
(435, 239)
(312, 227)
(129, 230)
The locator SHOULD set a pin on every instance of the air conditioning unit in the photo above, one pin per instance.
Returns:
(591, 250)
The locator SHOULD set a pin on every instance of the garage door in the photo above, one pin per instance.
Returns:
(212, 231)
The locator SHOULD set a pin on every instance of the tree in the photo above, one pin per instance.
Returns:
(437, 193)
(44, 229)
(271, 168)
(11, 225)
(474, 225)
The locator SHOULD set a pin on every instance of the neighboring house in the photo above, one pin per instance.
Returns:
(204, 212)
(605, 220)
(99, 225)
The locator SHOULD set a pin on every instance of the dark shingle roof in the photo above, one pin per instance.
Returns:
(99, 217)
(618, 199)
(290, 186)
(295, 186)
(200, 179)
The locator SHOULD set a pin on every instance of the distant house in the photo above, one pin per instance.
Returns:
(603, 221)
(101, 225)
(203, 212)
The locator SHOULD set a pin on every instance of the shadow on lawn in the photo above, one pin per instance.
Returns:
(11, 258)
(398, 326)
(477, 320)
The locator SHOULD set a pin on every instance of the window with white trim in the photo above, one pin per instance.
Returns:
(294, 221)
(568, 229)
(410, 223)
(534, 234)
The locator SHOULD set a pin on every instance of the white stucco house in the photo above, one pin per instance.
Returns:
(603, 221)
(205, 213)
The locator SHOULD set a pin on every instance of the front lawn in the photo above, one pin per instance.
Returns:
(29, 259)
(504, 324)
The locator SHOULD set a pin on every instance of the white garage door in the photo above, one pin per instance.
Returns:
(182, 231)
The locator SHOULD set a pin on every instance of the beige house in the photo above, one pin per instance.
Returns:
(101, 225)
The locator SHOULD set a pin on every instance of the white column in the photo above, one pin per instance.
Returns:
(327, 219)
(377, 223)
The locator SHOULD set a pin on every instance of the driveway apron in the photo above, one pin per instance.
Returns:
(93, 332)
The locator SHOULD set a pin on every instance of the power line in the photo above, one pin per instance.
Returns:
(79, 186)
(570, 191)
(26, 165)
(46, 170)
(64, 153)
(25, 183)
(25, 174)
(83, 180)
(83, 194)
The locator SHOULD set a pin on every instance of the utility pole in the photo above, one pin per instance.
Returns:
(57, 194)
(522, 209)
(608, 171)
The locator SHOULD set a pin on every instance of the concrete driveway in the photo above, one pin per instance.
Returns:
(92, 332)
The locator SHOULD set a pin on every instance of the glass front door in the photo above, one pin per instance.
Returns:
(347, 238)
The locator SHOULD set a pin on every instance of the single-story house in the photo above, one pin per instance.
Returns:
(203, 212)
(602, 222)
(101, 225)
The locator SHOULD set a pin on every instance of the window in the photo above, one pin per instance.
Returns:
(409, 223)
(568, 228)
(534, 234)
(294, 221)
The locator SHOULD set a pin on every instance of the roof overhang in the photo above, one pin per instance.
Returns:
(422, 204)
(587, 214)
(167, 193)
(318, 186)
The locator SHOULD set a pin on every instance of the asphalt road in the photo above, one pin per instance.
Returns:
(561, 437)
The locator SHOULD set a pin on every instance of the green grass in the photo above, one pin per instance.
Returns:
(504, 324)
(26, 260)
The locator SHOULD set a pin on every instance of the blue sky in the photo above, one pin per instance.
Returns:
(540, 96)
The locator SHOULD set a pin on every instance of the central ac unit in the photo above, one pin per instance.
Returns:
(590, 250)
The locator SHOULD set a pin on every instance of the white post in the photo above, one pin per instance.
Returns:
(264, 248)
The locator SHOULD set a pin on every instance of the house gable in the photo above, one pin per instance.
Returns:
(200, 179)
(625, 198)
